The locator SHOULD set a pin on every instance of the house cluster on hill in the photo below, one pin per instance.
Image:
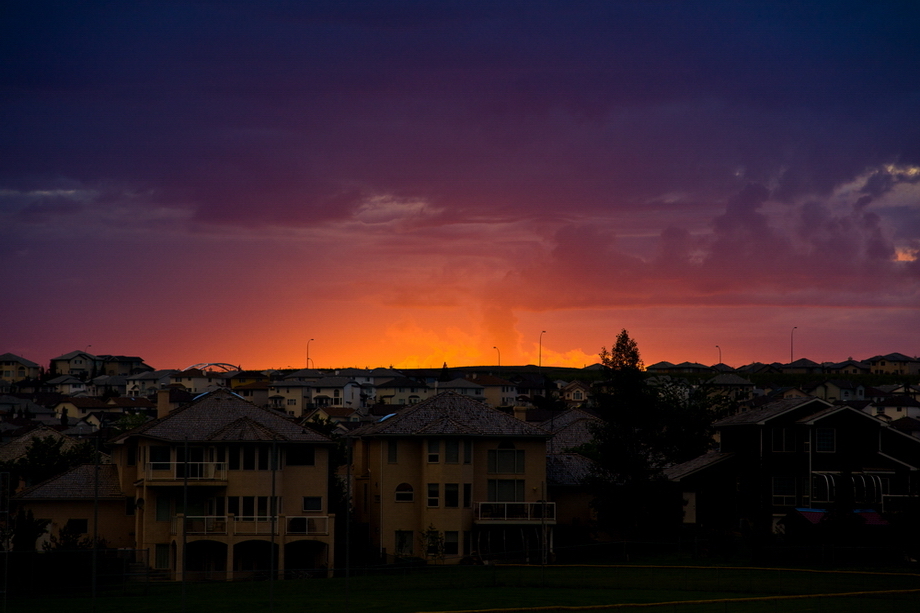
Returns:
(221, 472)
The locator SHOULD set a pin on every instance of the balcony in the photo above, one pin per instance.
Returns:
(179, 471)
(514, 512)
(256, 525)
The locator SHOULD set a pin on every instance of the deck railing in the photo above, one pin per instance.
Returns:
(256, 525)
(515, 511)
(196, 471)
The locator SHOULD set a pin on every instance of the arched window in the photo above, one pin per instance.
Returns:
(404, 493)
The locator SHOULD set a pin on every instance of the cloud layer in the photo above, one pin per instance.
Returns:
(426, 181)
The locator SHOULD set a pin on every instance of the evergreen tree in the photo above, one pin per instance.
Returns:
(646, 426)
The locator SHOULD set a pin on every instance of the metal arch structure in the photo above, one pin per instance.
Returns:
(218, 366)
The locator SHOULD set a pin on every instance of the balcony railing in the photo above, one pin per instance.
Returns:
(515, 511)
(196, 471)
(252, 525)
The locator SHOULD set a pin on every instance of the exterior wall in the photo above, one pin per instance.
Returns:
(115, 525)
(294, 397)
(378, 478)
(13, 371)
(159, 520)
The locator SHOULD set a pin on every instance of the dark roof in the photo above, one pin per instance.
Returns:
(77, 483)
(450, 413)
(12, 357)
(685, 469)
(567, 468)
(728, 379)
(222, 415)
(767, 411)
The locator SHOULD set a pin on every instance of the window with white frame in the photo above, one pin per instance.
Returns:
(404, 493)
(784, 491)
(825, 440)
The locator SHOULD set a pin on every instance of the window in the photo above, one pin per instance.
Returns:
(404, 543)
(434, 494)
(784, 491)
(434, 450)
(159, 458)
(452, 495)
(506, 490)
(467, 495)
(161, 556)
(825, 440)
(79, 526)
(506, 461)
(312, 504)
(301, 455)
(578, 395)
(451, 542)
(404, 493)
(163, 510)
(131, 455)
(452, 451)
(292, 402)
(392, 451)
(468, 451)
(783, 439)
(129, 505)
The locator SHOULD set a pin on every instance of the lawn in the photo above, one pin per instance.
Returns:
(455, 588)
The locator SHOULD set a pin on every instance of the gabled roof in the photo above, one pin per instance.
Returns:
(815, 417)
(893, 357)
(728, 379)
(72, 355)
(567, 469)
(450, 413)
(17, 447)
(769, 411)
(12, 357)
(78, 483)
(217, 414)
(685, 469)
(402, 382)
(459, 384)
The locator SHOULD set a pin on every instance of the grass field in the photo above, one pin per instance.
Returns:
(454, 588)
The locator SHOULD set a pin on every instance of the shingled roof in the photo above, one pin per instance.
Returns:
(221, 415)
(77, 483)
(450, 413)
(769, 411)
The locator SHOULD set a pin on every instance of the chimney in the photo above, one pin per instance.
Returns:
(163, 406)
(520, 413)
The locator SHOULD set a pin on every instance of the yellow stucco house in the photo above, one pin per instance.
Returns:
(219, 489)
(451, 477)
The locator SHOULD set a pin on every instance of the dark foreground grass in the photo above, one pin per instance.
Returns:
(472, 588)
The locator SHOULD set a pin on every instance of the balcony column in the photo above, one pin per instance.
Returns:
(180, 549)
(280, 524)
(231, 541)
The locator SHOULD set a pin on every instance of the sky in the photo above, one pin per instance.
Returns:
(410, 183)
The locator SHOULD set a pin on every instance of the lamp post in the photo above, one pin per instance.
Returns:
(720, 353)
(540, 354)
(499, 355)
(792, 344)
(308, 352)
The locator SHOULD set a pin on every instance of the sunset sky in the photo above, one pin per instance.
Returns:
(410, 183)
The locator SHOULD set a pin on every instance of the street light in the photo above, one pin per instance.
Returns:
(308, 352)
(540, 355)
(499, 355)
(720, 353)
(792, 344)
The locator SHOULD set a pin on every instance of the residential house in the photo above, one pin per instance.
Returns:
(245, 377)
(255, 392)
(107, 384)
(452, 477)
(122, 365)
(15, 368)
(802, 366)
(76, 363)
(338, 391)
(198, 381)
(464, 387)
(797, 453)
(292, 396)
(847, 367)
(496, 391)
(402, 390)
(253, 479)
(731, 386)
(575, 393)
(895, 364)
(68, 385)
(81, 500)
(837, 390)
(149, 382)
